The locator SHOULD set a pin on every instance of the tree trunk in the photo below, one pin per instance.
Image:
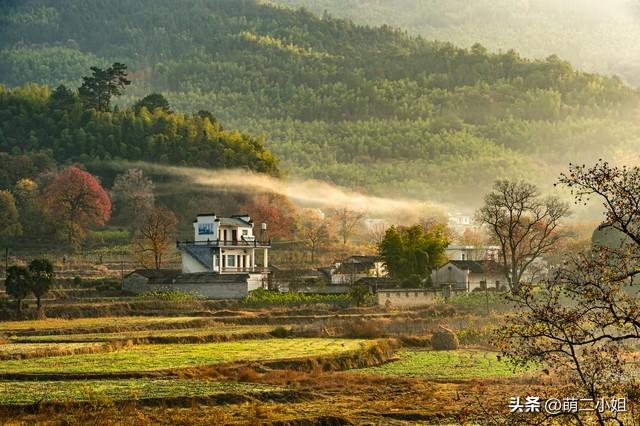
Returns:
(19, 309)
(38, 301)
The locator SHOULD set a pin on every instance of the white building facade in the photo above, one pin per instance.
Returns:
(225, 245)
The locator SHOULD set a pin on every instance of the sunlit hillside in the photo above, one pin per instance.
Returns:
(369, 108)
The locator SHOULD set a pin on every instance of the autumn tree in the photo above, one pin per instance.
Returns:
(314, 230)
(75, 201)
(276, 211)
(18, 285)
(41, 271)
(523, 223)
(9, 217)
(98, 88)
(346, 220)
(132, 196)
(29, 205)
(410, 253)
(582, 322)
(154, 235)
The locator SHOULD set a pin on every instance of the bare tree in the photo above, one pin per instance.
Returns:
(524, 224)
(584, 321)
(347, 220)
(132, 194)
(314, 230)
(154, 235)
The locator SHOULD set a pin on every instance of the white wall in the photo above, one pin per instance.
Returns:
(205, 221)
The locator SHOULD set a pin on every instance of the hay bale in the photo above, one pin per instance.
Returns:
(444, 339)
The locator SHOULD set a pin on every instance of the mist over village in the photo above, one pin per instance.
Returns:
(327, 212)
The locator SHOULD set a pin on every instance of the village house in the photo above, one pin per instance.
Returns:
(469, 275)
(225, 260)
(354, 268)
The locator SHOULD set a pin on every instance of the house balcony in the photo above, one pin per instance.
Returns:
(255, 243)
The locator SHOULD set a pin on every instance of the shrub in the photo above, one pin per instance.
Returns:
(363, 329)
(170, 295)
(281, 332)
(262, 298)
(444, 339)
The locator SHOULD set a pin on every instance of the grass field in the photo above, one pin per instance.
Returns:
(29, 392)
(9, 327)
(159, 357)
(183, 332)
(446, 365)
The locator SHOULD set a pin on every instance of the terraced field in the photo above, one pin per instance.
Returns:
(144, 358)
(61, 326)
(16, 350)
(30, 392)
(142, 334)
(446, 365)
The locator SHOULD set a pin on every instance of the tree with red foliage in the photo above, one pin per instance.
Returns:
(276, 211)
(75, 201)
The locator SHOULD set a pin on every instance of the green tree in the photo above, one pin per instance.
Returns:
(41, 278)
(18, 285)
(98, 89)
(410, 253)
(152, 102)
(9, 217)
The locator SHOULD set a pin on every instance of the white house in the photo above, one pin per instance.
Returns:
(461, 222)
(225, 260)
(354, 268)
(226, 245)
(469, 275)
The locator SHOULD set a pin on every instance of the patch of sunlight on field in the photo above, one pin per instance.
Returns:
(446, 365)
(30, 392)
(167, 356)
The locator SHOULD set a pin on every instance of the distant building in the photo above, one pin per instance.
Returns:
(461, 222)
(469, 275)
(225, 260)
(354, 268)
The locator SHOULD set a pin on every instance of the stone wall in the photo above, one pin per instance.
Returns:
(138, 284)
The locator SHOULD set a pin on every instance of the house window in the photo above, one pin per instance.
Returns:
(205, 229)
(231, 261)
(245, 232)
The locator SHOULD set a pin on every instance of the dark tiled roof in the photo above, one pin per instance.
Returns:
(177, 277)
(211, 278)
(477, 266)
(362, 259)
(233, 221)
(202, 254)
(156, 273)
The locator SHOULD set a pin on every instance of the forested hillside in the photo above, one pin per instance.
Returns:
(370, 108)
(33, 120)
(597, 36)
